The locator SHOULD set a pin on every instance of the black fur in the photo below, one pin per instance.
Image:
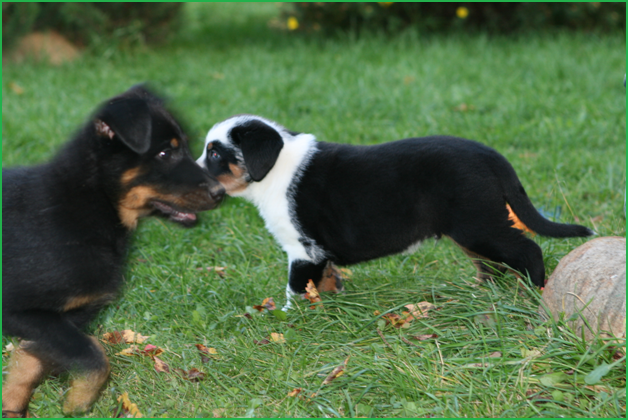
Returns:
(64, 240)
(366, 202)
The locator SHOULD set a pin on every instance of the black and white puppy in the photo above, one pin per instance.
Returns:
(334, 203)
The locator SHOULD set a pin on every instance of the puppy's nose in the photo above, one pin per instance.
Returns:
(216, 191)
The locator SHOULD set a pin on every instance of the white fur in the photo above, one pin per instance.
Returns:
(413, 248)
(289, 295)
(272, 195)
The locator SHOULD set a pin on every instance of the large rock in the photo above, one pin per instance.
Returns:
(593, 277)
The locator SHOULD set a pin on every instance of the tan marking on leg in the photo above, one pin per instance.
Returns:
(331, 281)
(80, 301)
(25, 371)
(85, 387)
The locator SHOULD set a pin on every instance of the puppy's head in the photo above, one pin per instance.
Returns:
(241, 150)
(146, 163)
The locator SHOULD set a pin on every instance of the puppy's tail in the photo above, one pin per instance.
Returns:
(526, 217)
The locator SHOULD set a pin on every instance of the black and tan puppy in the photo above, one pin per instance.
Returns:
(66, 227)
(333, 203)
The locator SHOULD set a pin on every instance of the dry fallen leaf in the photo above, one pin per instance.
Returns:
(267, 303)
(419, 310)
(396, 320)
(209, 351)
(261, 342)
(133, 350)
(192, 375)
(160, 365)
(337, 372)
(312, 294)
(125, 336)
(294, 392)
(128, 409)
(152, 351)
(277, 338)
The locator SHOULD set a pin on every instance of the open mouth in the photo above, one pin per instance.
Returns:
(179, 216)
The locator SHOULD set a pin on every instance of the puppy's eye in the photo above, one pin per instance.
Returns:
(214, 155)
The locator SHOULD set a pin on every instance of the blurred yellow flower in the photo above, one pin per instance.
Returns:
(385, 3)
(462, 12)
(293, 23)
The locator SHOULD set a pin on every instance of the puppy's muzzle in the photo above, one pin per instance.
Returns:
(216, 191)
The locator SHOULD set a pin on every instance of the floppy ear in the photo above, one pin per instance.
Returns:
(260, 145)
(129, 119)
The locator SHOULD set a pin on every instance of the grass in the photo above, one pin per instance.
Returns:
(553, 104)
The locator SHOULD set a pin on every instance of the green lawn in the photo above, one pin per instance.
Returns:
(554, 105)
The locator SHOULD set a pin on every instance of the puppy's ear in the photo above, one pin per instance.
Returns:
(129, 119)
(260, 145)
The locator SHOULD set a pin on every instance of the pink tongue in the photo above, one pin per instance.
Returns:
(183, 217)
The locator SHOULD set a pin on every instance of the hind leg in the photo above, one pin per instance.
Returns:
(508, 250)
(53, 343)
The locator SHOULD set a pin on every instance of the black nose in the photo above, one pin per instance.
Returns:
(216, 191)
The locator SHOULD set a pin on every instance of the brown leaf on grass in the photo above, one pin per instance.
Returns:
(312, 294)
(127, 409)
(207, 351)
(133, 350)
(337, 372)
(397, 321)
(151, 351)
(274, 338)
(419, 310)
(161, 366)
(295, 392)
(267, 303)
(192, 375)
(125, 336)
